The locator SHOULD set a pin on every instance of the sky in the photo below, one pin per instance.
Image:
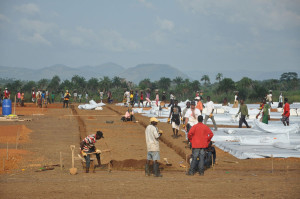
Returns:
(257, 35)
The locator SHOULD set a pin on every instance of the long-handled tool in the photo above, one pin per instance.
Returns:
(73, 170)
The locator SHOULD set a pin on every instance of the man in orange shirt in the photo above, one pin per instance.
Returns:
(286, 113)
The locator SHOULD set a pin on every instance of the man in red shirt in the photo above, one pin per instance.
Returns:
(199, 136)
(286, 113)
(6, 94)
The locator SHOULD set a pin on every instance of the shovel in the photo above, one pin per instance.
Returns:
(73, 171)
(167, 163)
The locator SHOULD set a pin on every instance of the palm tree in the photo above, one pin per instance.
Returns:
(206, 79)
(219, 77)
(177, 80)
(116, 82)
(164, 83)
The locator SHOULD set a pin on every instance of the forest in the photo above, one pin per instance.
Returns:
(252, 91)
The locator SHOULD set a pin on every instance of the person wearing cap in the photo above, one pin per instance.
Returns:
(191, 116)
(210, 112)
(66, 99)
(199, 136)
(152, 135)
(6, 94)
(176, 115)
(87, 146)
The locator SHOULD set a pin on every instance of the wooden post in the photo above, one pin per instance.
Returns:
(7, 150)
(3, 164)
(60, 160)
(17, 139)
(15, 105)
(186, 163)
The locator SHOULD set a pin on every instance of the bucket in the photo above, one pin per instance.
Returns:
(6, 107)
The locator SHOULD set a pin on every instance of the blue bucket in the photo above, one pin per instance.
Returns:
(6, 107)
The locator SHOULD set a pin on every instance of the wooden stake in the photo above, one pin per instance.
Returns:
(15, 105)
(3, 164)
(60, 160)
(186, 162)
(7, 150)
(17, 139)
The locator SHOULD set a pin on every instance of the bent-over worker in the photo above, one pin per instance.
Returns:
(87, 146)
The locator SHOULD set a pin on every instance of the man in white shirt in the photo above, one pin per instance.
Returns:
(209, 112)
(191, 117)
(152, 135)
(269, 98)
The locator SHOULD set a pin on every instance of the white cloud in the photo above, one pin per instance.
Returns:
(165, 24)
(36, 38)
(29, 9)
(271, 14)
(37, 26)
(106, 39)
(4, 18)
(146, 3)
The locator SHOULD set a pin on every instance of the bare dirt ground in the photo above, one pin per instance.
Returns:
(28, 146)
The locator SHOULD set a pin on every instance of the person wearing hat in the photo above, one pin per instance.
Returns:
(191, 116)
(6, 94)
(152, 135)
(66, 99)
(87, 146)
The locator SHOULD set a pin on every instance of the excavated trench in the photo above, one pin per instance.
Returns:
(128, 164)
(175, 148)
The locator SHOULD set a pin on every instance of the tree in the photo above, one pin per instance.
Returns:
(288, 76)
(65, 85)
(29, 86)
(206, 79)
(164, 83)
(219, 77)
(93, 84)
(177, 80)
(54, 83)
(226, 85)
(78, 82)
(43, 83)
(105, 83)
(195, 85)
(116, 82)
(145, 83)
(245, 82)
(15, 86)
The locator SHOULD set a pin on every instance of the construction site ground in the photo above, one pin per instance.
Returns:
(40, 138)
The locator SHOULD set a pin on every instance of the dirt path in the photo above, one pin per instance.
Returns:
(58, 128)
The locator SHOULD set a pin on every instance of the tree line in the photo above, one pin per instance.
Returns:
(249, 90)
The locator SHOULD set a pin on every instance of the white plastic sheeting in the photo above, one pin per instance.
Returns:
(92, 105)
(260, 141)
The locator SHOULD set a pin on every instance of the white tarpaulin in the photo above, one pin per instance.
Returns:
(92, 105)
(260, 141)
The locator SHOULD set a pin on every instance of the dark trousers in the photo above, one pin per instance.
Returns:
(66, 103)
(243, 120)
(197, 152)
(88, 158)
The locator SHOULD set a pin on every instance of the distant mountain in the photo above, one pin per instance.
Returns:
(152, 71)
(64, 72)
